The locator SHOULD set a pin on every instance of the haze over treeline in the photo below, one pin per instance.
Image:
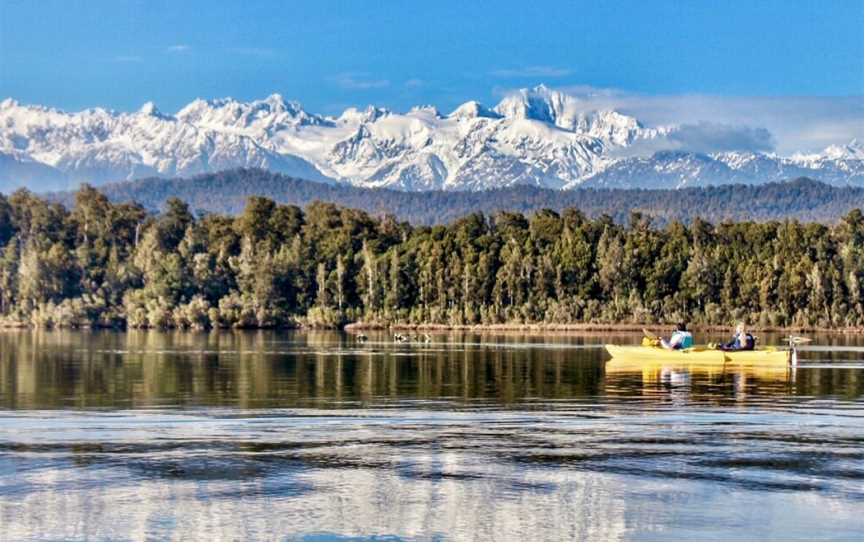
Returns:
(114, 264)
(227, 192)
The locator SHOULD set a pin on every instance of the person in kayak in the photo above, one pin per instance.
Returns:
(742, 340)
(681, 338)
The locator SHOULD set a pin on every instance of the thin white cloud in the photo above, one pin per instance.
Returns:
(532, 71)
(807, 124)
(703, 137)
(414, 83)
(710, 137)
(179, 48)
(359, 81)
(590, 91)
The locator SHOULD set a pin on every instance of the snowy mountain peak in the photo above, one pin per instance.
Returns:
(425, 110)
(149, 109)
(275, 99)
(276, 104)
(195, 109)
(370, 114)
(267, 115)
(538, 103)
(473, 110)
(854, 150)
(570, 113)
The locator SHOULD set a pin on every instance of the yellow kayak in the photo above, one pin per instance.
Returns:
(700, 355)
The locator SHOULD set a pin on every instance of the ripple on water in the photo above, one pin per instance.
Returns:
(257, 436)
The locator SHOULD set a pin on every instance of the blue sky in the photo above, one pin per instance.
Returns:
(329, 55)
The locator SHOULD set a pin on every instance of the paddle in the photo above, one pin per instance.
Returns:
(794, 341)
(649, 334)
(650, 339)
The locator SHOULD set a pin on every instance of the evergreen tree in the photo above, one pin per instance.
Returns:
(113, 264)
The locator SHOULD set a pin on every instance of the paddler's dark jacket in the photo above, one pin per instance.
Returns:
(749, 343)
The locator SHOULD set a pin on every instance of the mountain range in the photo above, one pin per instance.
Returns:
(537, 137)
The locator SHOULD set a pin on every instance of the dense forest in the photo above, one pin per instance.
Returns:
(227, 191)
(106, 264)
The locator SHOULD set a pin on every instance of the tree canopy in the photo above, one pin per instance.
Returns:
(114, 264)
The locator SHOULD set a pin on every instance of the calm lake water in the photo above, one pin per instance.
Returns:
(314, 436)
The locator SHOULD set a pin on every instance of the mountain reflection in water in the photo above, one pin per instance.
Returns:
(268, 436)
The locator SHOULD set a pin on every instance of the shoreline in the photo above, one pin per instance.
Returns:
(587, 327)
(354, 327)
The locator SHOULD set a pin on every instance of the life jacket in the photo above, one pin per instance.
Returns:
(736, 344)
(686, 339)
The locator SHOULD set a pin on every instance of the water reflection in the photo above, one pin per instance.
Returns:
(720, 382)
(261, 369)
(43, 370)
(270, 436)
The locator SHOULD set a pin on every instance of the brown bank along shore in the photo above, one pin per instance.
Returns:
(539, 327)
(586, 327)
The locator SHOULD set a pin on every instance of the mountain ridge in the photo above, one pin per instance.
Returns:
(227, 192)
(538, 137)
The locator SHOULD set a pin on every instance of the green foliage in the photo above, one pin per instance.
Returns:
(106, 264)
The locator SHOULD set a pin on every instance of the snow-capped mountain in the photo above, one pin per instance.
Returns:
(676, 169)
(536, 136)
(98, 146)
